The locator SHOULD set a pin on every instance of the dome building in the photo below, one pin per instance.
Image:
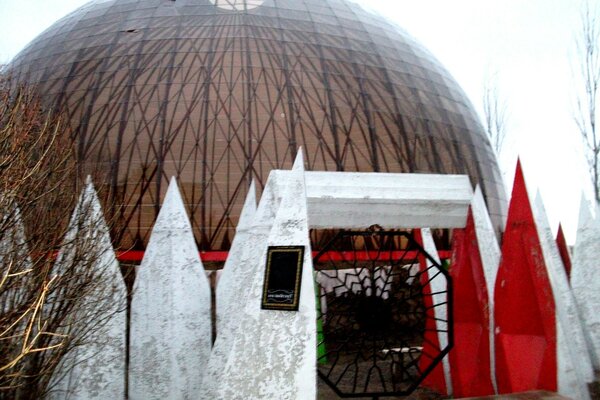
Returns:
(220, 92)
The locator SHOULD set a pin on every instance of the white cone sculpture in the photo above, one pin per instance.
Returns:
(438, 290)
(573, 361)
(170, 310)
(233, 282)
(585, 281)
(248, 256)
(95, 368)
(274, 356)
(489, 251)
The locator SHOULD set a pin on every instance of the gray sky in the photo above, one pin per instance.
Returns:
(527, 44)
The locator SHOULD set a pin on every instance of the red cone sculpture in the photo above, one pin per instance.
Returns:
(524, 304)
(470, 357)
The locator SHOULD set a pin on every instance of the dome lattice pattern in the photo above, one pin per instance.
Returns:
(217, 96)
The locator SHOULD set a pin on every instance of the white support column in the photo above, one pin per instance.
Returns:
(170, 338)
(585, 280)
(95, 368)
(489, 251)
(573, 363)
(275, 357)
(438, 287)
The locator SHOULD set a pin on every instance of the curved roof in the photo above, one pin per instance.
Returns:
(217, 92)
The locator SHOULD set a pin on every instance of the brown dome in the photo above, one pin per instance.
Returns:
(220, 94)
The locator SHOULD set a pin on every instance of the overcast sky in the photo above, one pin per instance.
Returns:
(527, 44)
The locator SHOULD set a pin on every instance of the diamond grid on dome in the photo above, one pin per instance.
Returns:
(156, 89)
(237, 5)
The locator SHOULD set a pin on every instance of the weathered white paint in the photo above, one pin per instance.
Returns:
(170, 311)
(348, 200)
(248, 263)
(438, 287)
(95, 369)
(574, 365)
(357, 200)
(441, 200)
(585, 280)
(275, 357)
(233, 282)
(489, 251)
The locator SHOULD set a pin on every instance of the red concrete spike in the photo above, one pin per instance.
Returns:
(563, 249)
(524, 308)
(470, 358)
(431, 343)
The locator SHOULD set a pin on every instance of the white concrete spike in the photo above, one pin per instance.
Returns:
(299, 161)
(438, 288)
(170, 310)
(269, 202)
(249, 209)
(233, 283)
(248, 252)
(486, 237)
(585, 281)
(574, 367)
(96, 368)
(489, 251)
(285, 341)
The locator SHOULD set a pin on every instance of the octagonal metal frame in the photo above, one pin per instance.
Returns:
(373, 262)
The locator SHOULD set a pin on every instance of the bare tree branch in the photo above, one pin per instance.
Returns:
(495, 113)
(44, 309)
(588, 70)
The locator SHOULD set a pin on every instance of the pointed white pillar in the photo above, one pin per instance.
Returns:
(489, 251)
(274, 357)
(232, 290)
(170, 337)
(574, 367)
(233, 281)
(585, 280)
(95, 368)
(248, 261)
(438, 287)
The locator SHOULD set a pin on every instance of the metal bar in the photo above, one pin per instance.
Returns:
(327, 256)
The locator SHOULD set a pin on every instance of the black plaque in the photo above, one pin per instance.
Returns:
(283, 275)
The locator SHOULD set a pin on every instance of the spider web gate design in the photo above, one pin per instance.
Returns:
(377, 325)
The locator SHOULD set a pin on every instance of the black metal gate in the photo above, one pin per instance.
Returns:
(376, 304)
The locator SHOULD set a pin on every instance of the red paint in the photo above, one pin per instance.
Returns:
(470, 358)
(431, 343)
(137, 255)
(221, 256)
(525, 337)
(563, 249)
